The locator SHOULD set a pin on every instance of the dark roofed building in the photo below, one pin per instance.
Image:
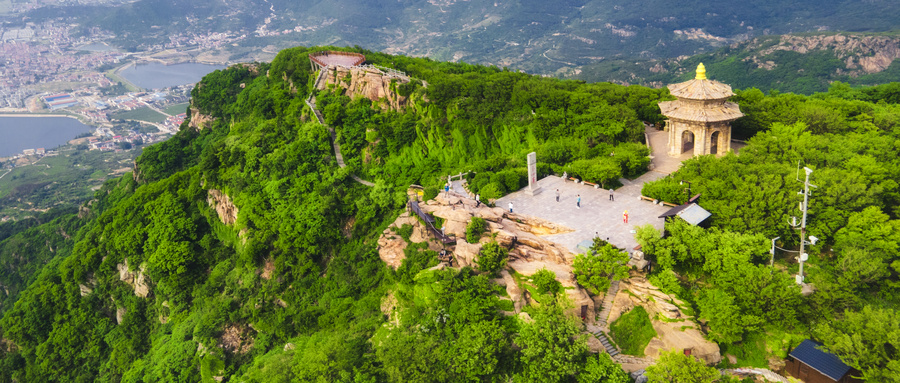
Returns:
(689, 212)
(810, 364)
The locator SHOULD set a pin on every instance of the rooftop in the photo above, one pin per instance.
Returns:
(827, 363)
(681, 110)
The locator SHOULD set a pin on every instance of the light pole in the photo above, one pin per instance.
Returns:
(772, 252)
(682, 182)
(803, 242)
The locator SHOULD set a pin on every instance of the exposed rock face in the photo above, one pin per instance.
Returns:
(138, 281)
(120, 314)
(237, 339)
(368, 82)
(520, 234)
(391, 244)
(199, 120)
(675, 330)
(862, 54)
(228, 213)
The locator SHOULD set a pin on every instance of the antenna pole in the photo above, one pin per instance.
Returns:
(806, 186)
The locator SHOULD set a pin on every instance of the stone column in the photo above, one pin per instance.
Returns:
(674, 139)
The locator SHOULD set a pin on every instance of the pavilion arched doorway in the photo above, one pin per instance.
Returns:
(714, 143)
(687, 141)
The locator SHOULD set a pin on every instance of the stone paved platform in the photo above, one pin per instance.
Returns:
(598, 215)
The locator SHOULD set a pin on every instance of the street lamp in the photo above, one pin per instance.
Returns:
(682, 182)
(772, 252)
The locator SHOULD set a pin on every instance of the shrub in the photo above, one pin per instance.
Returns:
(405, 231)
(490, 191)
(492, 257)
(633, 331)
(431, 192)
(475, 229)
(593, 271)
(545, 281)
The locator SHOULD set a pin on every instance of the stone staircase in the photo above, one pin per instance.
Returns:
(609, 346)
(604, 316)
(607, 304)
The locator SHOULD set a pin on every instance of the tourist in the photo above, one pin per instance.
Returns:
(477, 200)
(578, 202)
(611, 195)
(510, 207)
(557, 195)
(625, 216)
(565, 175)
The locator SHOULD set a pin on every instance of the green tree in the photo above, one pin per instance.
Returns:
(602, 369)
(594, 271)
(675, 367)
(866, 340)
(545, 282)
(552, 348)
(492, 258)
(726, 324)
(475, 229)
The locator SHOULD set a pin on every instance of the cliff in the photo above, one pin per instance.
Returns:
(368, 82)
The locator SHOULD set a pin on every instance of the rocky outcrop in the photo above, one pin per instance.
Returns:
(221, 203)
(528, 251)
(136, 280)
(199, 120)
(368, 82)
(862, 54)
(674, 329)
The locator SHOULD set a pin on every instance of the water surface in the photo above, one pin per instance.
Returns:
(156, 75)
(19, 133)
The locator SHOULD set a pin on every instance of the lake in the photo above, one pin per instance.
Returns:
(156, 75)
(37, 132)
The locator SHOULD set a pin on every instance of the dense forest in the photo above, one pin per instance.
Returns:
(146, 283)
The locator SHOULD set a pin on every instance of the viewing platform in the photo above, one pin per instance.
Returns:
(324, 59)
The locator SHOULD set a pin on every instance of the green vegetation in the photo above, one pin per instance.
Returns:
(595, 269)
(633, 331)
(67, 179)
(770, 63)
(155, 287)
(140, 114)
(475, 229)
(849, 140)
(176, 108)
(673, 366)
(492, 258)
(545, 282)
(152, 284)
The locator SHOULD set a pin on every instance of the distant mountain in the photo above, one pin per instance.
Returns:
(549, 37)
(802, 63)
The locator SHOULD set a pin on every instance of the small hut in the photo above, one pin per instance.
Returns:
(700, 119)
(812, 365)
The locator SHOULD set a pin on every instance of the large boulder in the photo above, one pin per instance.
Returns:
(466, 253)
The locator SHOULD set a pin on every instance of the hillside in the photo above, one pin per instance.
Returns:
(241, 250)
(799, 63)
(538, 37)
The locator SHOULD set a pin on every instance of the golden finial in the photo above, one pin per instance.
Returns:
(701, 72)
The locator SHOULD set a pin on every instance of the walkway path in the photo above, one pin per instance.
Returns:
(311, 102)
(457, 187)
(598, 215)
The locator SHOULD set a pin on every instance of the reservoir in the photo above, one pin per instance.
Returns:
(156, 75)
(21, 133)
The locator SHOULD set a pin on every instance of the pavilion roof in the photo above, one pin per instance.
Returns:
(701, 89)
(688, 111)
